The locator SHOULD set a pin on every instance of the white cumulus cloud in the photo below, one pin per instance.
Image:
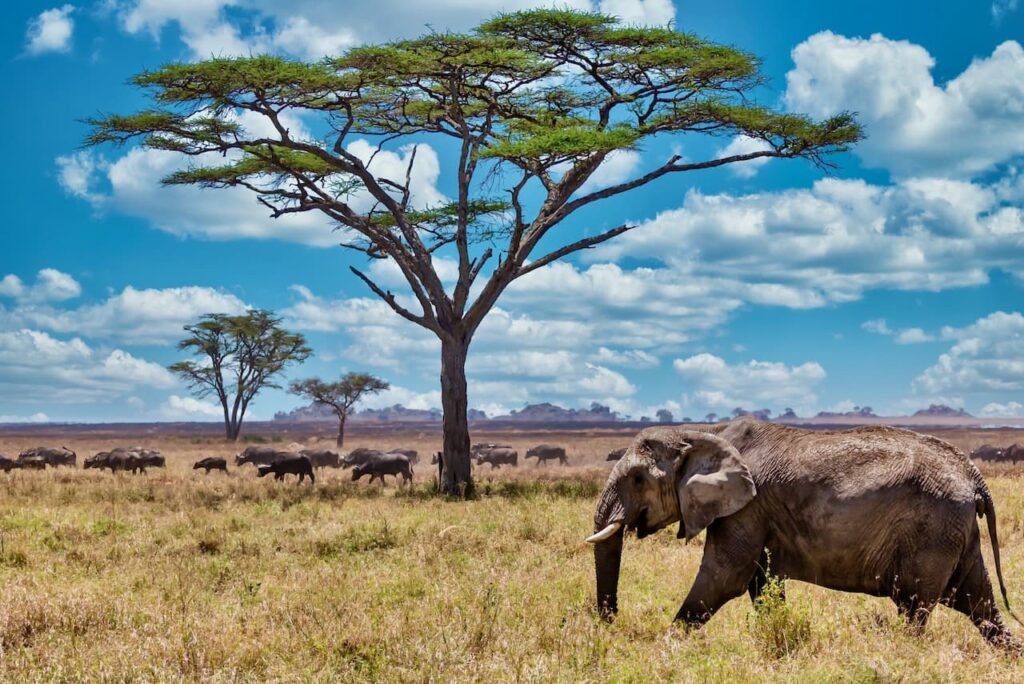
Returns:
(50, 31)
(914, 125)
(712, 383)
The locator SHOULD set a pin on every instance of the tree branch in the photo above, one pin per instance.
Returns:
(586, 243)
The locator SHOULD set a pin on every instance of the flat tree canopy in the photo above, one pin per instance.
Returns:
(238, 357)
(341, 396)
(531, 102)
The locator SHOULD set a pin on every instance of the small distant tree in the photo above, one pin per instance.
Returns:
(240, 355)
(340, 396)
(664, 416)
(711, 418)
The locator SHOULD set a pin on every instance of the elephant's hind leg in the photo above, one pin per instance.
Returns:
(970, 593)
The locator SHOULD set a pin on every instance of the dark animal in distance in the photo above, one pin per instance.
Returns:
(497, 456)
(547, 452)
(875, 510)
(52, 456)
(7, 464)
(1012, 453)
(288, 464)
(411, 454)
(379, 465)
(359, 456)
(257, 455)
(616, 454)
(322, 458)
(34, 463)
(211, 463)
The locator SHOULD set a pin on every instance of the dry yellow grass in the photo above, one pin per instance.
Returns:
(179, 576)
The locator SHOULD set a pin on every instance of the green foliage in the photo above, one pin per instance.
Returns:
(239, 356)
(779, 627)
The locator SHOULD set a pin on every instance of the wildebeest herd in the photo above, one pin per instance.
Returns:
(269, 460)
(1010, 454)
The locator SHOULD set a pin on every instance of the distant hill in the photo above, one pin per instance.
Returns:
(531, 413)
(551, 413)
(943, 411)
(857, 412)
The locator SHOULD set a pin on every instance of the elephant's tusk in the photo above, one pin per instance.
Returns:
(604, 534)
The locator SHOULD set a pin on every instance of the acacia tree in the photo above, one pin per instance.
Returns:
(340, 396)
(239, 356)
(531, 104)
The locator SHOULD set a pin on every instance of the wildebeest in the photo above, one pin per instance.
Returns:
(359, 456)
(150, 458)
(616, 454)
(7, 464)
(52, 456)
(379, 465)
(411, 454)
(322, 458)
(497, 456)
(211, 463)
(547, 452)
(98, 461)
(257, 455)
(288, 463)
(33, 463)
(987, 452)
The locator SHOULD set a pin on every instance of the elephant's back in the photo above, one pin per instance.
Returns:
(865, 461)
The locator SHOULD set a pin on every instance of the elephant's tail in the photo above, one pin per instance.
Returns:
(990, 518)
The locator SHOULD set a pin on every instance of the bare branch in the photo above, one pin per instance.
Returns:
(586, 243)
(390, 300)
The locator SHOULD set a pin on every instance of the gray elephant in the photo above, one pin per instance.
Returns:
(875, 510)
(547, 452)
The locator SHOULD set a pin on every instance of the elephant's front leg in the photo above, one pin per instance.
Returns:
(727, 570)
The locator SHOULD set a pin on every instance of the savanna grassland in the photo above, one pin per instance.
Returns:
(179, 576)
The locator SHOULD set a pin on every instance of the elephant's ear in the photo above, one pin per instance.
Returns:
(711, 482)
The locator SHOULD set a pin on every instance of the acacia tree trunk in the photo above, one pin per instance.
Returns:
(341, 430)
(456, 475)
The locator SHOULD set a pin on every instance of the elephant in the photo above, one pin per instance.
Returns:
(257, 455)
(384, 464)
(288, 464)
(616, 454)
(322, 458)
(497, 456)
(547, 452)
(211, 463)
(875, 510)
(53, 457)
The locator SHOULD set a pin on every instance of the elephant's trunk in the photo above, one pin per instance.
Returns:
(608, 552)
(607, 556)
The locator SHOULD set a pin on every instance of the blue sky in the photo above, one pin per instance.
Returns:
(895, 283)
